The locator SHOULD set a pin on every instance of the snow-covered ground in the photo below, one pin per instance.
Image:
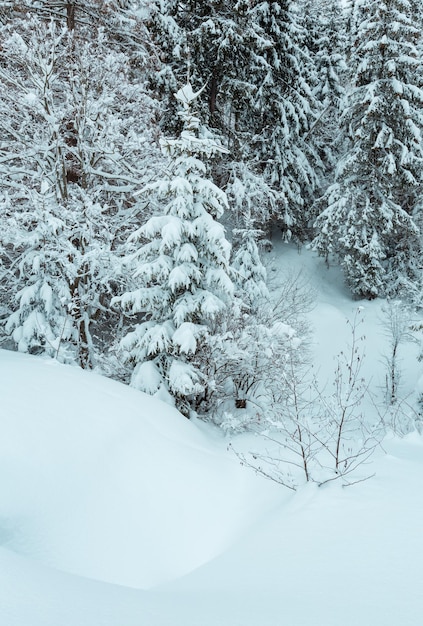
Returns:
(117, 511)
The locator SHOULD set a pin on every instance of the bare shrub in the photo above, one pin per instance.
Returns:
(313, 435)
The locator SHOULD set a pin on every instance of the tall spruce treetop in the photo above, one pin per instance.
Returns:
(330, 51)
(351, 8)
(370, 219)
(182, 268)
(329, 89)
(286, 109)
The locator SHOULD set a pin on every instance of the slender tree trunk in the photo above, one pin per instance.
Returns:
(70, 15)
(213, 94)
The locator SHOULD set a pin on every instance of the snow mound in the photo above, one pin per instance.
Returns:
(101, 480)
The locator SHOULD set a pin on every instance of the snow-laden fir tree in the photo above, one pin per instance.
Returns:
(220, 46)
(171, 51)
(249, 273)
(372, 210)
(352, 17)
(181, 260)
(40, 323)
(250, 194)
(257, 71)
(285, 112)
(329, 59)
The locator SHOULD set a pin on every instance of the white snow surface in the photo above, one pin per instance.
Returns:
(117, 511)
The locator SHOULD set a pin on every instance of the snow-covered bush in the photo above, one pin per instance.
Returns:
(73, 148)
(397, 322)
(244, 363)
(314, 435)
(264, 340)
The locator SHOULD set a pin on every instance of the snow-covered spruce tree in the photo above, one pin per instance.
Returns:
(249, 273)
(285, 112)
(372, 208)
(220, 46)
(322, 24)
(226, 48)
(181, 260)
(329, 59)
(252, 201)
(72, 142)
(310, 17)
(352, 23)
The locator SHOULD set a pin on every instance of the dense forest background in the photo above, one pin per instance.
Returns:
(150, 150)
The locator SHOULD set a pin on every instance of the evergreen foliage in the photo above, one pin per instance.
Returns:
(250, 275)
(329, 59)
(370, 219)
(286, 110)
(218, 46)
(182, 269)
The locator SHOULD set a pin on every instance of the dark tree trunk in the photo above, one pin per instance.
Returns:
(213, 94)
(70, 15)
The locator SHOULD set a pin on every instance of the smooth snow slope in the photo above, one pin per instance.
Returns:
(331, 333)
(106, 482)
(117, 511)
(329, 556)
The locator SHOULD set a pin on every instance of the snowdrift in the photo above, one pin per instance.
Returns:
(106, 482)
